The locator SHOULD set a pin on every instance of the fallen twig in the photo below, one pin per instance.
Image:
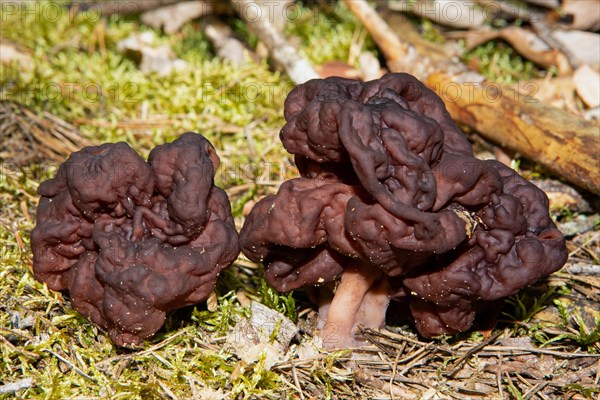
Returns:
(366, 379)
(513, 351)
(391, 335)
(172, 17)
(582, 269)
(221, 36)
(297, 67)
(470, 352)
(72, 366)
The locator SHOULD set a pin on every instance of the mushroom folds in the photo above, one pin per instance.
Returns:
(131, 240)
(392, 204)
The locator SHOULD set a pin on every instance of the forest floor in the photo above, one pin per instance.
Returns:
(546, 341)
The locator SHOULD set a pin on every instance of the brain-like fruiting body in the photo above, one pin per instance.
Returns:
(392, 204)
(131, 240)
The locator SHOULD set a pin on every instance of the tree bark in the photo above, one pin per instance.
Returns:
(564, 144)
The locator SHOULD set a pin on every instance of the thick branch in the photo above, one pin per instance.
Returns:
(565, 145)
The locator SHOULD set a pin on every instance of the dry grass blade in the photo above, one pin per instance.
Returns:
(47, 350)
(501, 366)
(367, 379)
(371, 334)
(297, 381)
(470, 352)
(535, 390)
(21, 351)
(28, 137)
(515, 351)
(72, 366)
(149, 350)
(587, 285)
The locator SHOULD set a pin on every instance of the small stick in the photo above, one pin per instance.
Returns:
(588, 241)
(17, 349)
(522, 351)
(499, 377)
(470, 352)
(167, 391)
(367, 379)
(223, 40)
(297, 67)
(535, 389)
(394, 371)
(382, 34)
(12, 387)
(296, 381)
(582, 269)
(72, 366)
(392, 335)
(422, 353)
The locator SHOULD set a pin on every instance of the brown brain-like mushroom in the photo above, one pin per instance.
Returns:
(131, 240)
(392, 205)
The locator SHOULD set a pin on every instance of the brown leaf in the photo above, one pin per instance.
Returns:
(584, 46)
(585, 14)
(587, 82)
(562, 196)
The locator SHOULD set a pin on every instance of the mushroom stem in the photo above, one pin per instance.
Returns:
(361, 298)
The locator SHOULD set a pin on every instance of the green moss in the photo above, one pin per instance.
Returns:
(109, 95)
(78, 78)
(78, 74)
(431, 32)
(328, 33)
(226, 314)
(501, 63)
(588, 337)
(285, 304)
(192, 46)
(525, 305)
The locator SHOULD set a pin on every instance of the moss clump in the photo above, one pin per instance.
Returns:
(501, 63)
(329, 33)
(78, 74)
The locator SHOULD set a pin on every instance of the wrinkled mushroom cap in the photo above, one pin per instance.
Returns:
(388, 180)
(131, 240)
